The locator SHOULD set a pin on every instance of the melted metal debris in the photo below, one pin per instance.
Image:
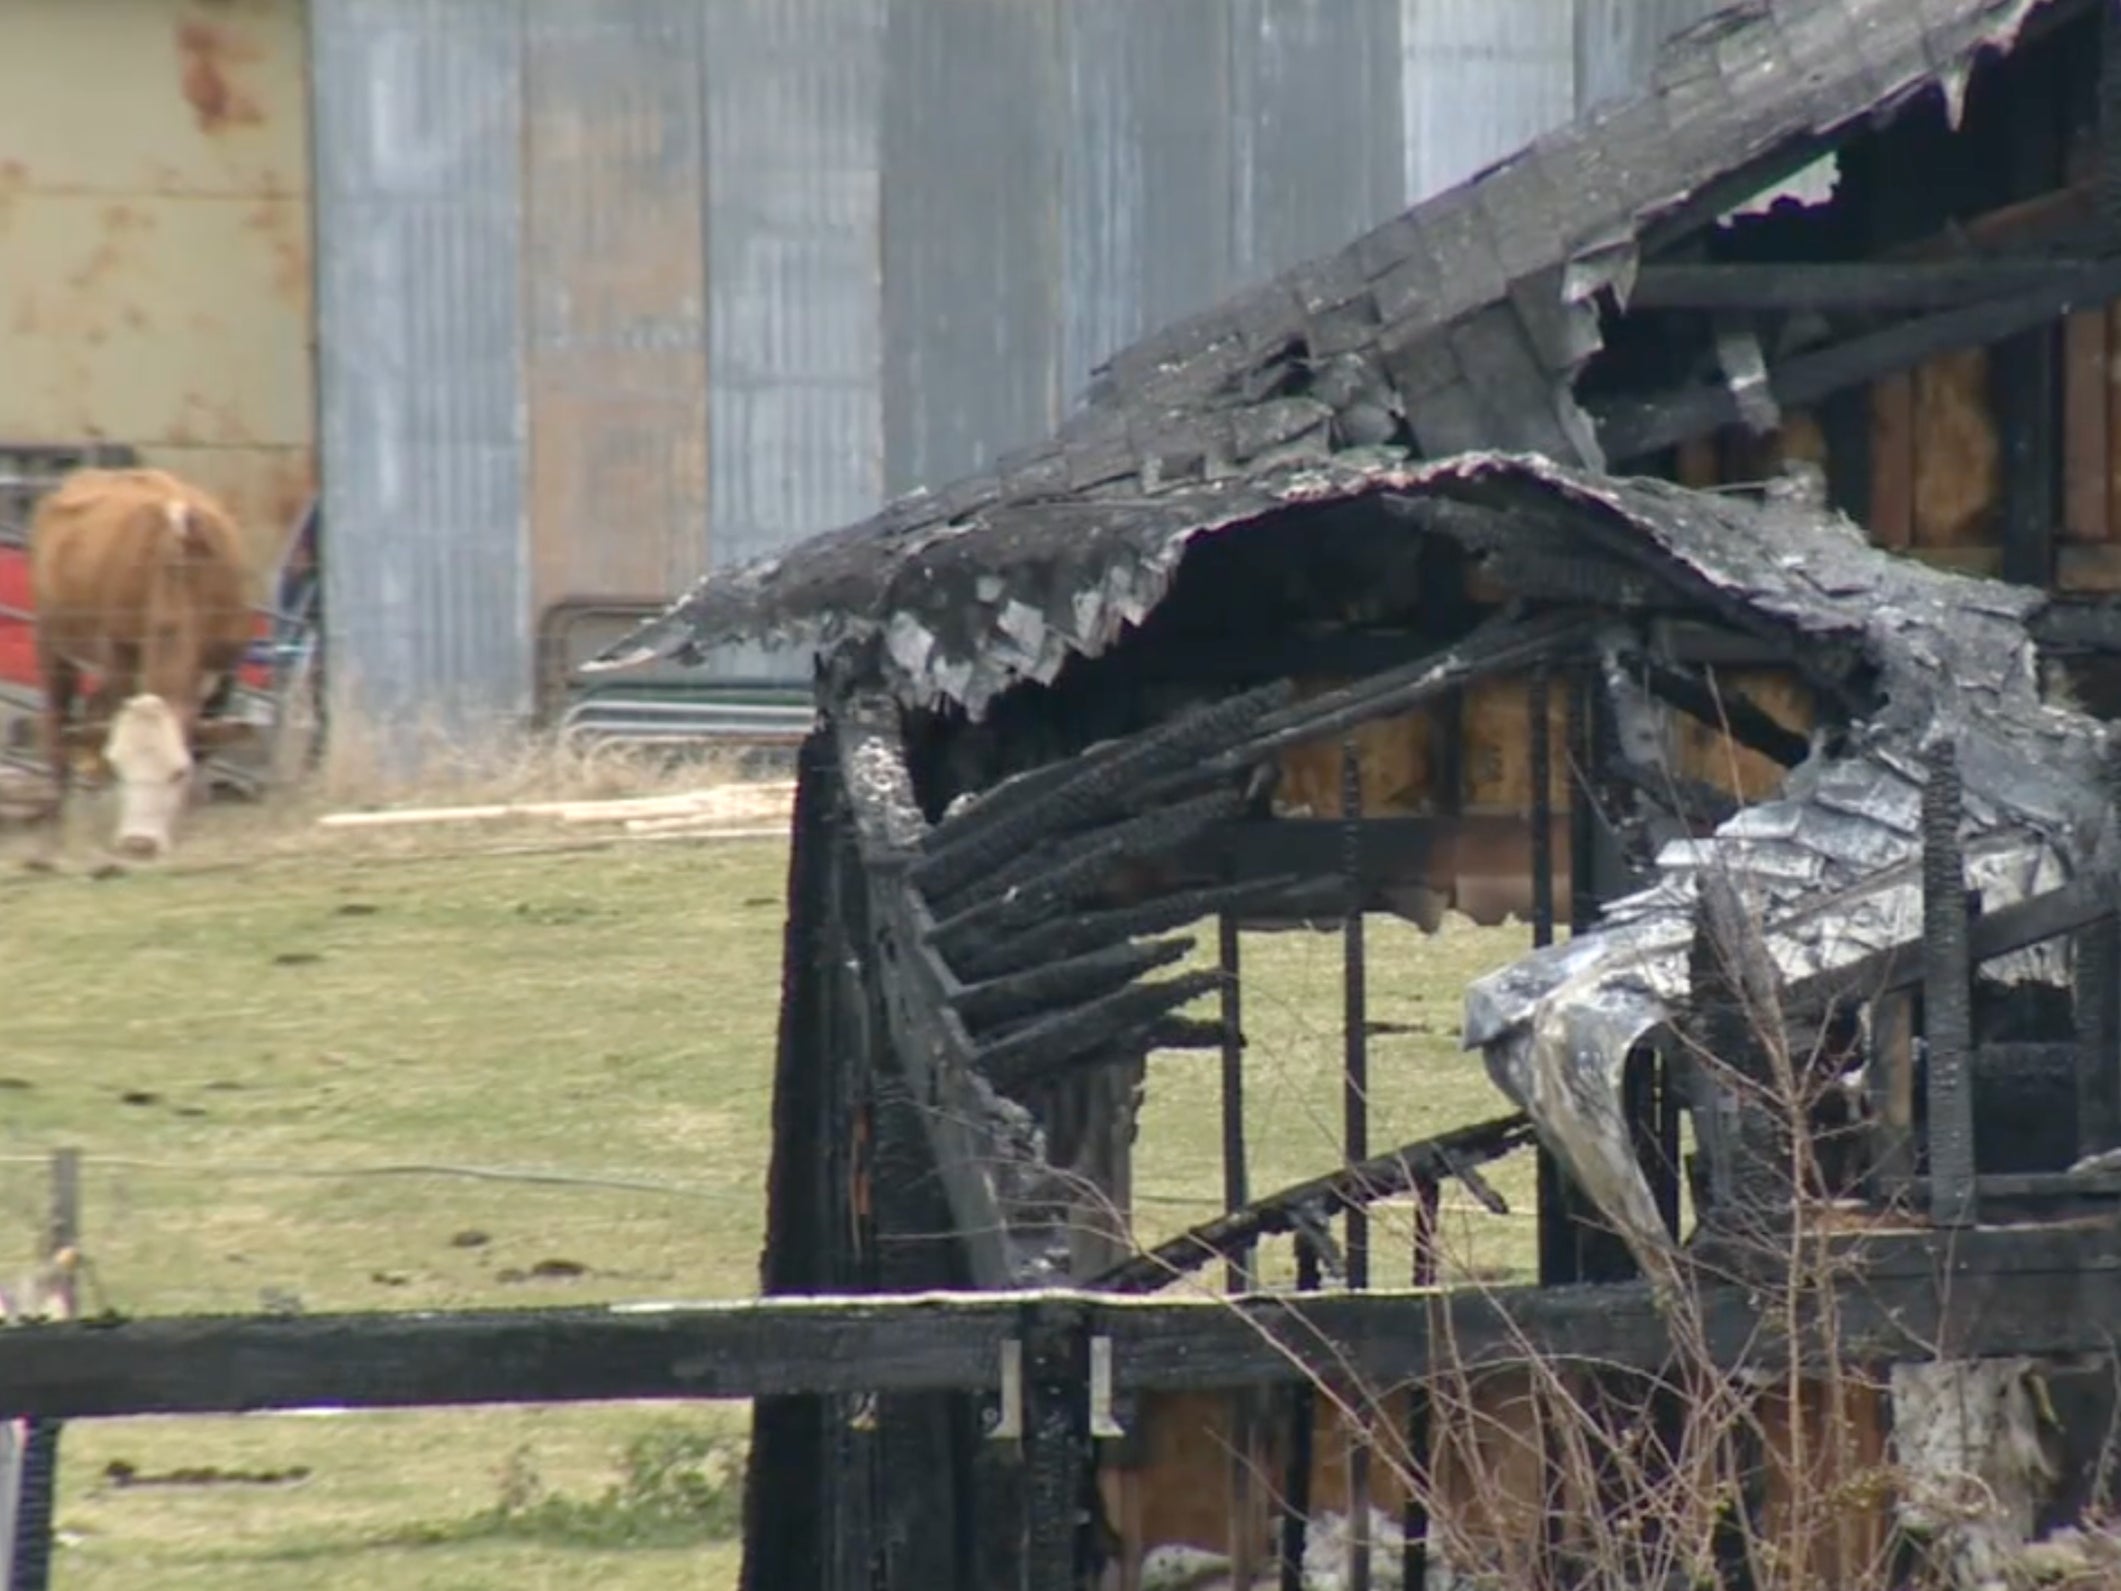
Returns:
(1831, 868)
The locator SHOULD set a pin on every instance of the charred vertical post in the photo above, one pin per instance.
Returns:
(1414, 1517)
(1537, 692)
(1056, 1447)
(1947, 995)
(1585, 726)
(1355, 1032)
(1236, 1191)
(1236, 1178)
(2098, 1004)
(1296, 1478)
(30, 1564)
(1355, 1027)
(1556, 1251)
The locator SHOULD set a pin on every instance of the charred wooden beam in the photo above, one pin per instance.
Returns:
(1631, 429)
(1091, 788)
(1186, 1033)
(2040, 1292)
(1947, 995)
(1079, 875)
(927, 1042)
(1497, 649)
(2097, 975)
(1101, 1026)
(1085, 931)
(1231, 1030)
(1728, 712)
(1093, 853)
(1037, 990)
(1057, 1450)
(1860, 286)
(1355, 1043)
(1386, 1176)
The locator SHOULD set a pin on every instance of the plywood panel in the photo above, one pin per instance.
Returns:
(1395, 755)
(1957, 456)
(1498, 746)
(1704, 752)
(1893, 461)
(1826, 1458)
(2085, 427)
(1177, 1491)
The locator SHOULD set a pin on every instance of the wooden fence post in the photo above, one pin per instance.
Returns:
(35, 1472)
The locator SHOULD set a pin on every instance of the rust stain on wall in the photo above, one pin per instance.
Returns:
(208, 54)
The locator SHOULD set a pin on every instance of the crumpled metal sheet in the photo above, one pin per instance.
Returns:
(1831, 868)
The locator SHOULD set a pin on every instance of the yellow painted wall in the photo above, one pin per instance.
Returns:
(155, 277)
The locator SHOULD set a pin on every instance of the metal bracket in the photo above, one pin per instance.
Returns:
(1103, 1422)
(1007, 1424)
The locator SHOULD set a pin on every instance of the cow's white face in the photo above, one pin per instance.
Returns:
(152, 767)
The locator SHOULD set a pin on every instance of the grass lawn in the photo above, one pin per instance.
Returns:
(246, 1043)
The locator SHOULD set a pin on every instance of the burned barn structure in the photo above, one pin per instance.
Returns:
(1722, 583)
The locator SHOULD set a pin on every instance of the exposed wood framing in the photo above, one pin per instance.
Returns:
(1857, 285)
(1628, 430)
(1455, 1154)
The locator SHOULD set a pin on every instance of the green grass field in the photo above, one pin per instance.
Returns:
(245, 1043)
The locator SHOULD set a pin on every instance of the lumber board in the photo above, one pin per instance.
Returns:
(1958, 456)
(1892, 516)
(1843, 285)
(1633, 427)
(2085, 426)
(1991, 1291)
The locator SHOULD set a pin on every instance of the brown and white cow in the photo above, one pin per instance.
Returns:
(141, 579)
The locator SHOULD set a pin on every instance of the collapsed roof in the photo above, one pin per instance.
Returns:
(1460, 324)
(1456, 331)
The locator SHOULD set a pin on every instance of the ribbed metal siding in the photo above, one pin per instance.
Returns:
(614, 298)
(418, 124)
(1617, 42)
(793, 92)
(1483, 78)
(971, 232)
(1147, 186)
(1315, 98)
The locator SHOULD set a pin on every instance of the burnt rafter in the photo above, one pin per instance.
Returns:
(1852, 286)
(1064, 797)
(1498, 648)
(1022, 995)
(1631, 428)
(1446, 1156)
(1728, 711)
(1080, 932)
(1105, 1027)
(1083, 874)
